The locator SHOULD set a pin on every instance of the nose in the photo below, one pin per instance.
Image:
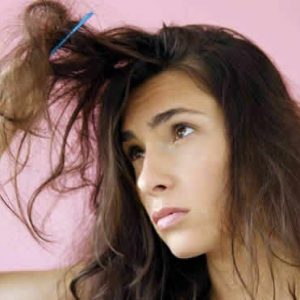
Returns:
(155, 176)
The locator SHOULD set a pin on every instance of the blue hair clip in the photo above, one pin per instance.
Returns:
(80, 23)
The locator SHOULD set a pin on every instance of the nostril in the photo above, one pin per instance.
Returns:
(160, 187)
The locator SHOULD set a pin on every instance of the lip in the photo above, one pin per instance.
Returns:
(157, 215)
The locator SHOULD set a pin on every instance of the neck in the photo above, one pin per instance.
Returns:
(225, 280)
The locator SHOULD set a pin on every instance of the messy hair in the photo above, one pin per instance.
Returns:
(91, 77)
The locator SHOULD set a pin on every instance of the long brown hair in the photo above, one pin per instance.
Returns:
(127, 259)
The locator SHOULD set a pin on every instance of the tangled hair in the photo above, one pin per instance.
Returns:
(92, 76)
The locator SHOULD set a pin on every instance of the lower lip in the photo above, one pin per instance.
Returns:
(170, 220)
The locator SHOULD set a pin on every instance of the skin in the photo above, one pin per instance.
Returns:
(35, 285)
(183, 167)
(186, 166)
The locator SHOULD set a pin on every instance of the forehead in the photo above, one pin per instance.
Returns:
(169, 89)
(165, 84)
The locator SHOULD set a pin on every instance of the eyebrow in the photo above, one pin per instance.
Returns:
(159, 119)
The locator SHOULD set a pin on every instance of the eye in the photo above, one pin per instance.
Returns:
(134, 153)
(181, 130)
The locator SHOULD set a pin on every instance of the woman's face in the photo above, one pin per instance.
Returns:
(174, 135)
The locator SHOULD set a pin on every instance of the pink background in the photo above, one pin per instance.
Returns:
(274, 25)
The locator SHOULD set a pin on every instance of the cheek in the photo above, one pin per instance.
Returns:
(205, 184)
(203, 176)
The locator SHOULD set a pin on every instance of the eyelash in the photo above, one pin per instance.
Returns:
(174, 129)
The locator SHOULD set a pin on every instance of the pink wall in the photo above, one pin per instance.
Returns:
(273, 24)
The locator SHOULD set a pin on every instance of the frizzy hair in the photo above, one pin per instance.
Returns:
(262, 120)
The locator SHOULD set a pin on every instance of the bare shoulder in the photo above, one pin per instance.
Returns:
(35, 285)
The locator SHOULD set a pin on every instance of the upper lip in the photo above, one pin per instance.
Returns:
(166, 211)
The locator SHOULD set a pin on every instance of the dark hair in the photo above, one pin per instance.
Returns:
(262, 120)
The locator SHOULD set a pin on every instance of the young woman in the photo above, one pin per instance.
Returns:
(194, 138)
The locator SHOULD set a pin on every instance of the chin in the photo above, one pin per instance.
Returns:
(185, 253)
